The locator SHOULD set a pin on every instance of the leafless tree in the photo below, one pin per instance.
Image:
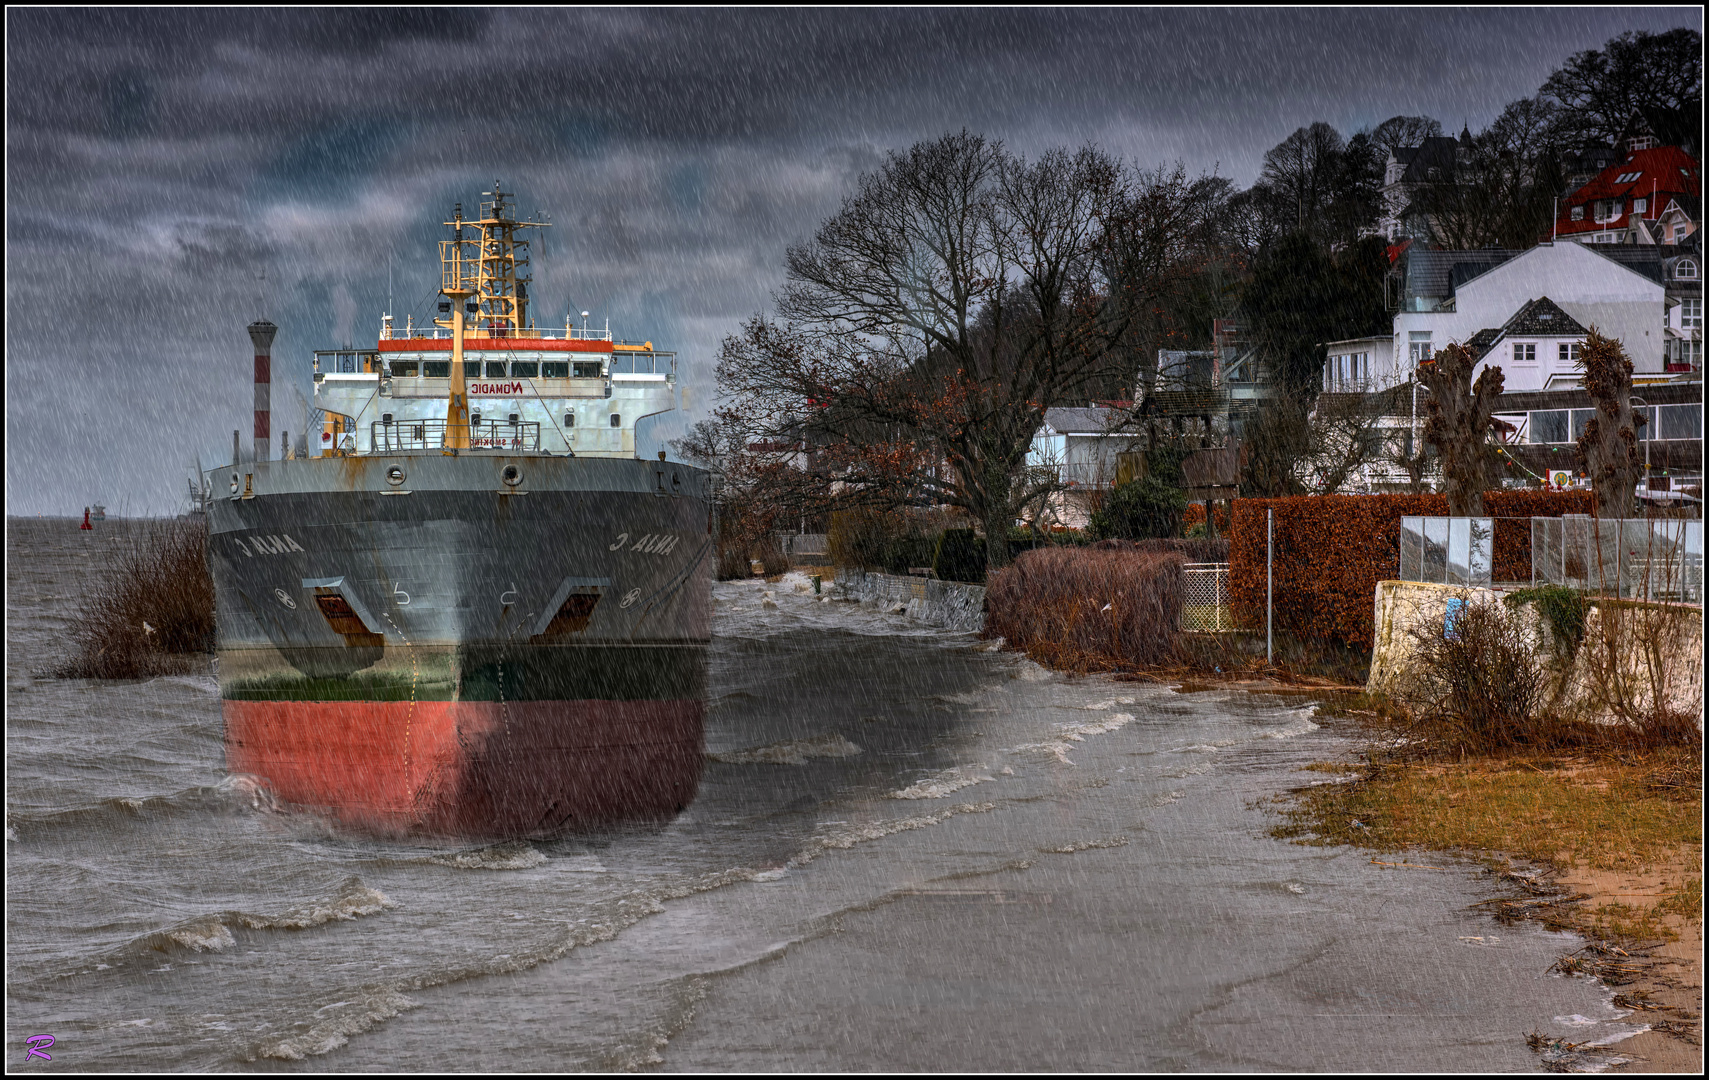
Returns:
(1609, 445)
(1399, 132)
(925, 329)
(1459, 425)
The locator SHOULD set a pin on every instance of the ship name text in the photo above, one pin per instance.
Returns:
(267, 545)
(652, 543)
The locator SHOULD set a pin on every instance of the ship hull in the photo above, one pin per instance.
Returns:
(457, 654)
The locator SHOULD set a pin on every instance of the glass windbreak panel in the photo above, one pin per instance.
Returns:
(495, 369)
(643, 363)
(1435, 562)
(1680, 422)
(1411, 548)
(622, 363)
(436, 369)
(524, 369)
(1480, 550)
(1550, 426)
(1581, 417)
(587, 369)
(405, 368)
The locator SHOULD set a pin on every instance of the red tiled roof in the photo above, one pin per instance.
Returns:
(1664, 171)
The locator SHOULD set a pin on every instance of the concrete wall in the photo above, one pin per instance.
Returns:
(1622, 643)
(949, 604)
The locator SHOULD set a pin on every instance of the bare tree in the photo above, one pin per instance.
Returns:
(1609, 445)
(1459, 425)
(1501, 188)
(1304, 168)
(930, 323)
(1660, 74)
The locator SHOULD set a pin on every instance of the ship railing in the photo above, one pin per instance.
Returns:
(531, 333)
(393, 436)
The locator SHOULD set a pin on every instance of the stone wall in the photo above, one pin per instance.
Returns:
(1629, 647)
(949, 604)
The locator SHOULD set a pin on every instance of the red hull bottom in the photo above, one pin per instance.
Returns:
(480, 768)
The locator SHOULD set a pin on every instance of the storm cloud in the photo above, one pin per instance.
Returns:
(174, 175)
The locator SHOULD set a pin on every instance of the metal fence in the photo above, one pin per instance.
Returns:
(1636, 558)
(1204, 599)
(430, 435)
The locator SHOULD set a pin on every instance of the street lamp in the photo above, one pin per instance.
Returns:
(1649, 431)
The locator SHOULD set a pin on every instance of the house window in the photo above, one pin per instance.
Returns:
(1578, 213)
(1420, 347)
(1685, 270)
(1549, 427)
(1569, 353)
(1691, 314)
(1639, 205)
(1525, 353)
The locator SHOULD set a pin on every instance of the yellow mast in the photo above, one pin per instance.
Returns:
(453, 288)
(490, 270)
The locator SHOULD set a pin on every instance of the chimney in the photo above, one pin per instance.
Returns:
(261, 333)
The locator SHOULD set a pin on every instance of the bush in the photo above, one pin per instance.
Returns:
(1194, 549)
(153, 614)
(1478, 683)
(1140, 509)
(960, 557)
(1331, 550)
(1088, 609)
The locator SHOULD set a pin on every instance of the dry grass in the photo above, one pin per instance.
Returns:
(1602, 813)
(153, 613)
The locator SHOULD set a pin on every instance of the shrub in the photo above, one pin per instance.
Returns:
(1140, 509)
(1478, 684)
(1562, 610)
(960, 557)
(1088, 609)
(153, 613)
(1331, 550)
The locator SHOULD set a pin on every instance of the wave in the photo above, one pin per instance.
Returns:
(944, 783)
(1068, 734)
(234, 792)
(212, 932)
(511, 855)
(793, 752)
(1086, 845)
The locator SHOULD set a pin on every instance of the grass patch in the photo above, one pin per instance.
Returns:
(1606, 815)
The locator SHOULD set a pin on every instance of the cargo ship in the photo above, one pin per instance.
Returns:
(463, 604)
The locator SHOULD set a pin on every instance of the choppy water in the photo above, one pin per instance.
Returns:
(908, 852)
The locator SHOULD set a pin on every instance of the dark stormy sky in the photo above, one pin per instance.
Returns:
(174, 175)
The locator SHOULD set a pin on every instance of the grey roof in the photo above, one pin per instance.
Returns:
(1085, 421)
(1645, 259)
(1435, 152)
(1542, 317)
(1439, 273)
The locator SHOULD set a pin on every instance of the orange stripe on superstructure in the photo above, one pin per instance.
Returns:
(494, 344)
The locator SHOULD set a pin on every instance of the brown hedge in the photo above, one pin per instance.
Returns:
(1084, 609)
(1331, 550)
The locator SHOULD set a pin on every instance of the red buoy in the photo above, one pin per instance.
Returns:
(86, 524)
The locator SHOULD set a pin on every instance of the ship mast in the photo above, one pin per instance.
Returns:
(487, 277)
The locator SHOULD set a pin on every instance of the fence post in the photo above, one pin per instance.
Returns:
(1269, 585)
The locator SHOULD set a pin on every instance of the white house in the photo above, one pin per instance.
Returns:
(1590, 288)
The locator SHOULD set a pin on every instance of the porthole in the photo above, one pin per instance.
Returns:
(234, 483)
(511, 475)
(616, 421)
(395, 475)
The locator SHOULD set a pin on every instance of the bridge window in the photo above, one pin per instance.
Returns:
(555, 369)
(587, 369)
(524, 369)
(405, 368)
(616, 421)
(436, 369)
(495, 369)
(569, 419)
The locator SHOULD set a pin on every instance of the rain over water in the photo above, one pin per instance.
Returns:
(909, 850)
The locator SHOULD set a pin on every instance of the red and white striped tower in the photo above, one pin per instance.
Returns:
(261, 333)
